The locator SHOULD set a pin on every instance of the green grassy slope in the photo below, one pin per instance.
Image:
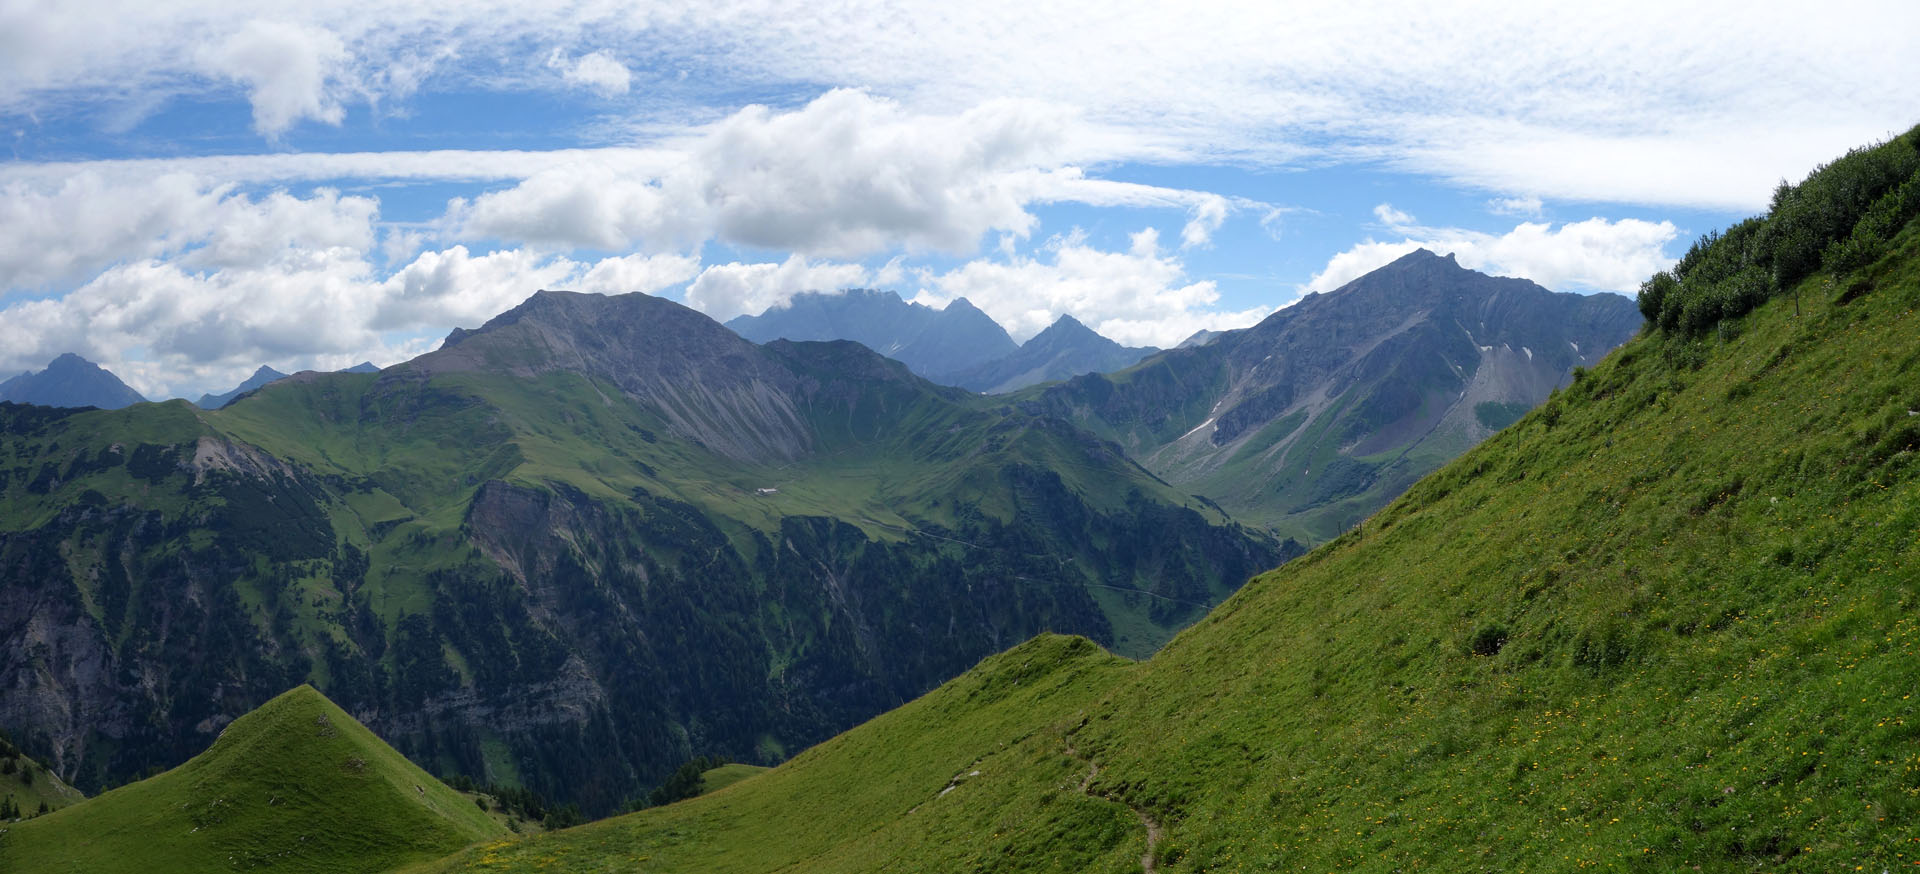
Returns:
(28, 784)
(296, 785)
(945, 780)
(1667, 621)
(716, 779)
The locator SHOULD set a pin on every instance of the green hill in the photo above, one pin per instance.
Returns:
(1665, 622)
(715, 779)
(297, 785)
(27, 785)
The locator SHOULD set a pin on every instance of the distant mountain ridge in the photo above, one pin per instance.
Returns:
(260, 377)
(934, 343)
(959, 346)
(70, 381)
(1065, 349)
(1330, 407)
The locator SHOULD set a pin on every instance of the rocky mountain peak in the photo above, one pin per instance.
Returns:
(70, 381)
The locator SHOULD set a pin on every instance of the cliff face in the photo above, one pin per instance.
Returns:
(571, 549)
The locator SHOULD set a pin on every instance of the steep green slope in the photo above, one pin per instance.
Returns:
(26, 786)
(296, 785)
(715, 779)
(945, 781)
(1667, 621)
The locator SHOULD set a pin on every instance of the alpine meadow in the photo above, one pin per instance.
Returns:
(1028, 438)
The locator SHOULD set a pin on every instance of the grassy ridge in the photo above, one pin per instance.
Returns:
(1664, 622)
(296, 785)
(28, 784)
(716, 779)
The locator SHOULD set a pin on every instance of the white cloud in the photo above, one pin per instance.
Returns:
(1526, 206)
(86, 223)
(648, 273)
(449, 165)
(1141, 297)
(597, 71)
(1592, 255)
(1391, 217)
(457, 287)
(292, 72)
(174, 327)
(1208, 216)
(1624, 101)
(724, 291)
(846, 175)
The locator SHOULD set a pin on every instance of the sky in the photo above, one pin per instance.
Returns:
(195, 188)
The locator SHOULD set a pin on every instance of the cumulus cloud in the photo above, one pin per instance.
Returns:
(1141, 297)
(724, 291)
(647, 273)
(596, 71)
(291, 71)
(85, 223)
(174, 327)
(1592, 255)
(846, 175)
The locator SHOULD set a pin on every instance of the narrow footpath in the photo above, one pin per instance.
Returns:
(1154, 831)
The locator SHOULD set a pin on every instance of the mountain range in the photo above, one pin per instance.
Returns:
(959, 345)
(931, 342)
(1066, 348)
(70, 381)
(1317, 416)
(259, 378)
(568, 550)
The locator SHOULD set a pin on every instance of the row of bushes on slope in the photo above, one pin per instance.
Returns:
(1839, 219)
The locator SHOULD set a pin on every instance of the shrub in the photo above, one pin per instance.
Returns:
(1838, 219)
(1488, 640)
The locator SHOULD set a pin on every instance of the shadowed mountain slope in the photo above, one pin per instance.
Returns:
(1065, 349)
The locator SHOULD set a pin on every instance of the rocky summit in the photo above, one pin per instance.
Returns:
(1327, 409)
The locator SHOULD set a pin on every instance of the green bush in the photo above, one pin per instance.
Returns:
(1838, 219)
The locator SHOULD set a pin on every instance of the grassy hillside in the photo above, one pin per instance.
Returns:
(296, 785)
(716, 779)
(1667, 621)
(26, 785)
(945, 780)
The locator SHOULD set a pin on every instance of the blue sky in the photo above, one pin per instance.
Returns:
(199, 187)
